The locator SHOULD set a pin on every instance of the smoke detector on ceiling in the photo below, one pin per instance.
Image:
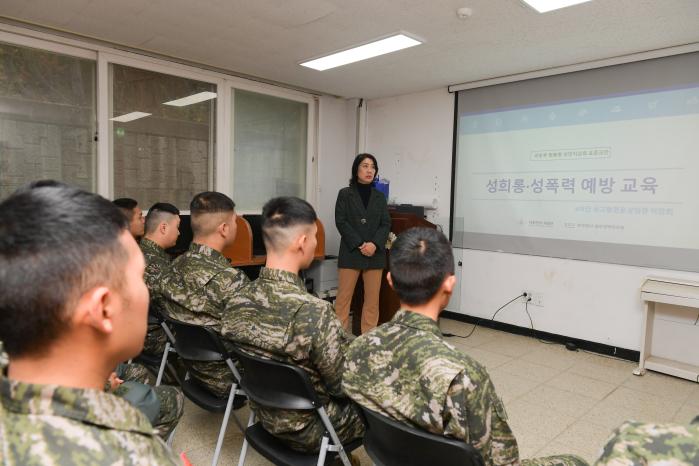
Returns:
(464, 13)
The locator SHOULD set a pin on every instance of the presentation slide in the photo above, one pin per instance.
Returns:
(620, 169)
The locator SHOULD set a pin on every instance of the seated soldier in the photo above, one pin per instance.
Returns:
(74, 305)
(406, 371)
(201, 281)
(161, 232)
(134, 215)
(275, 317)
(636, 443)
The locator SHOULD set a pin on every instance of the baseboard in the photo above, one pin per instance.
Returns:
(585, 345)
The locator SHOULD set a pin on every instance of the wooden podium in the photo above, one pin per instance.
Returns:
(388, 299)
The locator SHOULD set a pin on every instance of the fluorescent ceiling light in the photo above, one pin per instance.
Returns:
(130, 117)
(362, 52)
(192, 99)
(543, 6)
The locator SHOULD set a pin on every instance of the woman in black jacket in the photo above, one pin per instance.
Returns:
(361, 216)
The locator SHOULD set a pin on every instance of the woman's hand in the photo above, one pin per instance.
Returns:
(367, 249)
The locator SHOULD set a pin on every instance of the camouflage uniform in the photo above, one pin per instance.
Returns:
(195, 290)
(636, 444)
(48, 424)
(275, 317)
(157, 261)
(171, 398)
(405, 370)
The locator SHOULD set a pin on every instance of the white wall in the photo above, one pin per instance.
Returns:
(337, 128)
(411, 135)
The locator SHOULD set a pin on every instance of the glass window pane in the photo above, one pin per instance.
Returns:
(47, 118)
(269, 143)
(166, 153)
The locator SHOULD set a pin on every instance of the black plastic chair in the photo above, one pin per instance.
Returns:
(198, 343)
(273, 384)
(390, 443)
(156, 318)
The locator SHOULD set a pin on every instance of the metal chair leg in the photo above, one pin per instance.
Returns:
(163, 362)
(323, 450)
(224, 424)
(336, 440)
(244, 449)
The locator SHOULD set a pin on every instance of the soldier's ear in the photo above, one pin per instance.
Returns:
(223, 229)
(95, 309)
(300, 242)
(448, 284)
(389, 279)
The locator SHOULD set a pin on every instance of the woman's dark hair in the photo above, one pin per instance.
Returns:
(355, 167)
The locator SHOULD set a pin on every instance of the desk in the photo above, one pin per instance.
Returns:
(665, 291)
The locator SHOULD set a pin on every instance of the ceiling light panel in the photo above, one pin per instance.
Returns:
(362, 52)
(544, 6)
(130, 117)
(192, 99)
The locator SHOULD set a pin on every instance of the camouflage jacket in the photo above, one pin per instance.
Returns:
(635, 443)
(198, 286)
(275, 317)
(405, 370)
(48, 424)
(157, 261)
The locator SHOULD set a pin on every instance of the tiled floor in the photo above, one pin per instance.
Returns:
(558, 401)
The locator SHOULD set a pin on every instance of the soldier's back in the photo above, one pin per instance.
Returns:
(198, 285)
(276, 318)
(157, 262)
(404, 369)
(45, 424)
(195, 290)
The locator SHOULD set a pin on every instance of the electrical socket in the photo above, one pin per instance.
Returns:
(534, 298)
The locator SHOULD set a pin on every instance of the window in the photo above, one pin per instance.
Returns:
(47, 118)
(270, 137)
(163, 136)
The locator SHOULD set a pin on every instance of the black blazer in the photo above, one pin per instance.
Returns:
(358, 224)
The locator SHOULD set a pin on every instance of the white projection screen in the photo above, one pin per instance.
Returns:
(599, 165)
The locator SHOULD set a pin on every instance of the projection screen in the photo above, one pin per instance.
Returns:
(599, 165)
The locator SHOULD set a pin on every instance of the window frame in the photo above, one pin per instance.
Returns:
(222, 175)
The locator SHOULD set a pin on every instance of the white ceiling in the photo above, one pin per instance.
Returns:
(268, 38)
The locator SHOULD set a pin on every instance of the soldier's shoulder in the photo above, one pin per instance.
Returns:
(231, 272)
(310, 304)
(634, 441)
(471, 366)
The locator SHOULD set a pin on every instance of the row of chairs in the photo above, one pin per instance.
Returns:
(274, 384)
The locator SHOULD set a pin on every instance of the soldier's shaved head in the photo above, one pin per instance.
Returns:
(56, 242)
(283, 219)
(420, 260)
(209, 210)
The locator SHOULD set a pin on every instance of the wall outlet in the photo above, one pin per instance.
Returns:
(534, 298)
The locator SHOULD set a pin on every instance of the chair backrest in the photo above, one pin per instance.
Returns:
(195, 342)
(275, 384)
(391, 443)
